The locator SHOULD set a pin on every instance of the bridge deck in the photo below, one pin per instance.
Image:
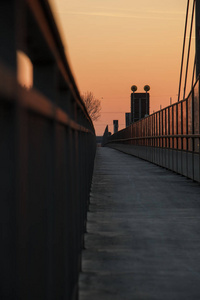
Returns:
(143, 239)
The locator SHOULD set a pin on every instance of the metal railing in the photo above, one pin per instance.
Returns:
(169, 137)
(47, 149)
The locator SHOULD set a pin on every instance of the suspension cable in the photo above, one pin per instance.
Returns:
(195, 61)
(188, 56)
(183, 51)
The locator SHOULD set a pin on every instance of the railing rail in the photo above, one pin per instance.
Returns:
(47, 148)
(169, 137)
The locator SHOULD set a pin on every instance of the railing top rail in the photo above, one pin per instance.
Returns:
(30, 27)
(34, 101)
(43, 15)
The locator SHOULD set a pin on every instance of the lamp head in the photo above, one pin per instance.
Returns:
(147, 88)
(134, 88)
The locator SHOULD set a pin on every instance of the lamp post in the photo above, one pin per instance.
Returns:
(133, 89)
(146, 88)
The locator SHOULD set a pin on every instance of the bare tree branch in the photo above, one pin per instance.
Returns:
(93, 105)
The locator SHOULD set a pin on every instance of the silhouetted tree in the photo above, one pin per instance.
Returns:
(93, 105)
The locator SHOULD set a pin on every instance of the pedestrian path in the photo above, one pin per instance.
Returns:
(143, 232)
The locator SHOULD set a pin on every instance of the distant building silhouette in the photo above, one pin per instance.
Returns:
(115, 125)
(128, 119)
(139, 106)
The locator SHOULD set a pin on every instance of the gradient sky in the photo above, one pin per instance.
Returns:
(113, 44)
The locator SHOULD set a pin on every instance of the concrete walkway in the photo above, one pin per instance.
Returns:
(143, 239)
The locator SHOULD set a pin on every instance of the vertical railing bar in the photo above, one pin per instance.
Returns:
(181, 137)
(193, 132)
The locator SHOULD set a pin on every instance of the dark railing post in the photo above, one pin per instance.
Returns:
(8, 33)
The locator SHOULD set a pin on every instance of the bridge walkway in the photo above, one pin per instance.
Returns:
(143, 232)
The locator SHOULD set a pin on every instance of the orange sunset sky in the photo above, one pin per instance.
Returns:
(113, 44)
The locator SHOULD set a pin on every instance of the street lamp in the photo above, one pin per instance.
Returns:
(146, 88)
(134, 88)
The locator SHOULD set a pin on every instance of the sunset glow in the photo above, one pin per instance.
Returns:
(115, 44)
